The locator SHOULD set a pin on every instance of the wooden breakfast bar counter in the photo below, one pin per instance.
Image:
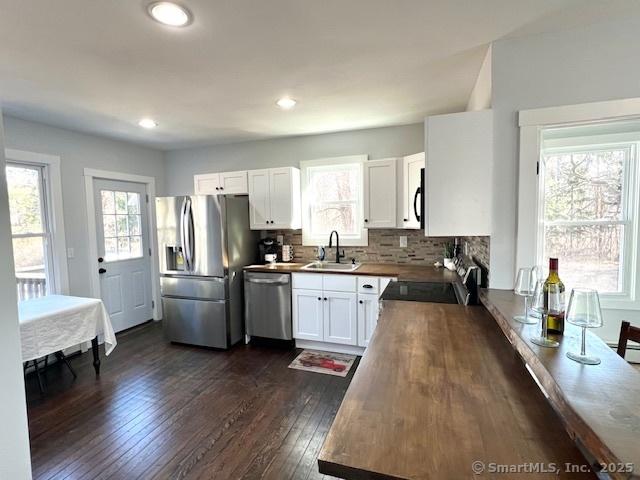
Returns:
(443, 386)
(599, 404)
(438, 389)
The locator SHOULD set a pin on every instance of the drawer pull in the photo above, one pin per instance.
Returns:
(367, 286)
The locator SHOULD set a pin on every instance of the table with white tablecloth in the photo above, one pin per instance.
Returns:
(52, 323)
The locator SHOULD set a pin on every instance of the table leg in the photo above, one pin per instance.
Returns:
(35, 365)
(63, 358)
(96, 355)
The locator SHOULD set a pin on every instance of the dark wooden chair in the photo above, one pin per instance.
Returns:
(627, 332)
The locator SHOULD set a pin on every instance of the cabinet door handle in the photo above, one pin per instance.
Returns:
(406, 219)
(325, 299)
(319, 298)
(361, 301)
(366, 220)
(217, 188)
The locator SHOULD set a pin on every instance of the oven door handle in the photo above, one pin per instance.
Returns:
(462, 294)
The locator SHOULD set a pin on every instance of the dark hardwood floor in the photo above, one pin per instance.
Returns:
(162, 411)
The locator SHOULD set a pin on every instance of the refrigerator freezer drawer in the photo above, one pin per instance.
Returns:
(196, 322)
(212, 288)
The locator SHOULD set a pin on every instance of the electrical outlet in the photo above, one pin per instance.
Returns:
(403, 241)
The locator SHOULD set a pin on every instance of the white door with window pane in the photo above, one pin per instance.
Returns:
(124, 262)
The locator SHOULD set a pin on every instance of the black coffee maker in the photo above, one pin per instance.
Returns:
(268, 250)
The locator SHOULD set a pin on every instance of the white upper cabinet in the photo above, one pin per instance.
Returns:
(234, 183)
(219, 183)
(206, 184)
(274, 198)
(259, 199)
(459, 164)
(409, 202)
(380, 193)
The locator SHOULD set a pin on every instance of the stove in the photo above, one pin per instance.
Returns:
(463, 290)
(436, 292)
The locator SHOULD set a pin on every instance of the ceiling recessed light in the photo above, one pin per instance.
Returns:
(169, 13)
(286, 103)
(148, 123)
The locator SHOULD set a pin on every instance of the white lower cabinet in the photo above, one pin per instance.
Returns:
(344, 318)
(368, 310)
(308, 311)
(340, 318)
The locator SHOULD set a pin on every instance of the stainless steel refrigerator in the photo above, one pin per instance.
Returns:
(204, 242)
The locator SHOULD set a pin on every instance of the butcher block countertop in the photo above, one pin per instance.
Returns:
(438, 389)
(403, 272)
(599, 404)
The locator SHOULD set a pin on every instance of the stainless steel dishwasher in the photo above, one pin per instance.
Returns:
(267, 305)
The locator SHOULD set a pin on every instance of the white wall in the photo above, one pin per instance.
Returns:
(585, 64)
(480, 98)
(181, 165)
(78, 151)
(15, 460)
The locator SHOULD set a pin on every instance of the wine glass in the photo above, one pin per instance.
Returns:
(538, 274)
(538, 305)
(525, 284)
(584, 311)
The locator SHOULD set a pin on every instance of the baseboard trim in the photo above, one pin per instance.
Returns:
(330, 347)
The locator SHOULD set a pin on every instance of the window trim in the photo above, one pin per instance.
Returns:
(362, 240)
(630, 220)
(531, 123)
(53, 207)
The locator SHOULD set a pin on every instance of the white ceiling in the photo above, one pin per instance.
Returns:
(101, 65)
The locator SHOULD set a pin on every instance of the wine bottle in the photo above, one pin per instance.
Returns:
(554, 299)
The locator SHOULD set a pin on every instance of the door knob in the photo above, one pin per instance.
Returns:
(102, 270)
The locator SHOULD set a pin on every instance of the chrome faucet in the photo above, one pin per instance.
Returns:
(338, 254)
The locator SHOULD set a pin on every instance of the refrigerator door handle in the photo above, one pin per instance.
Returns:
(183, 233)
(190, 233)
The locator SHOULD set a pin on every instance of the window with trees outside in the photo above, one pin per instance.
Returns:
(30, 230)
(589, 207)
(333, 200)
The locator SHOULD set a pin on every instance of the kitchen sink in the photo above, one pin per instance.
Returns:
(332, 267)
